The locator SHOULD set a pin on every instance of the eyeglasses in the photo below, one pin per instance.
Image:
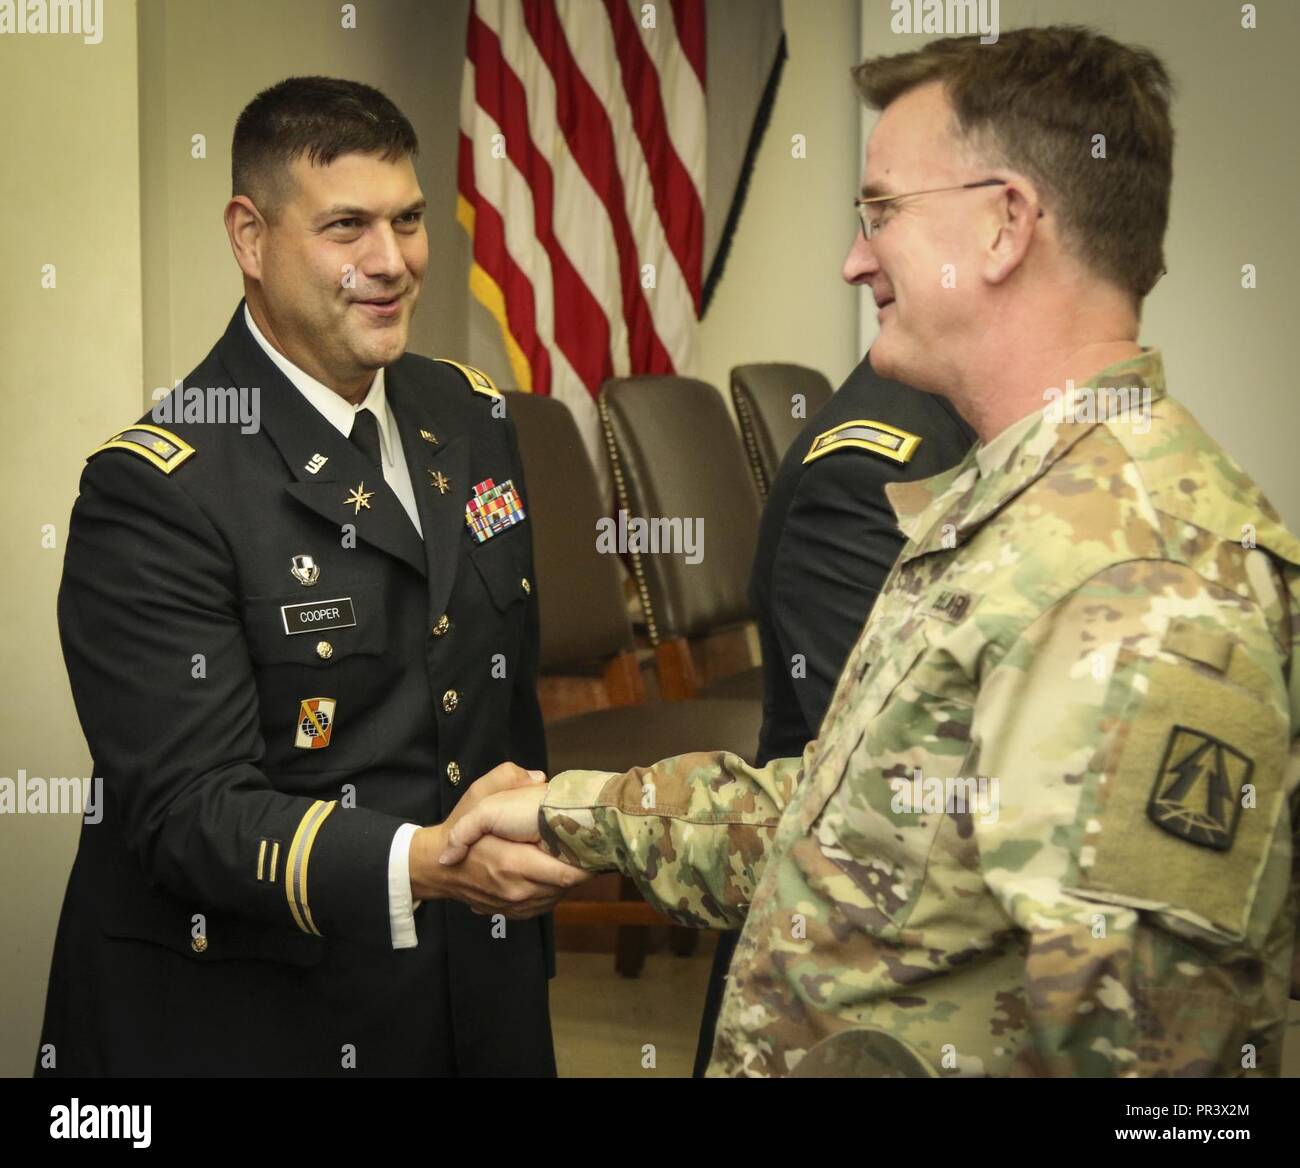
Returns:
(871, 226)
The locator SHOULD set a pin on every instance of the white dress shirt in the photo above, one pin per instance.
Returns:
(341, 414)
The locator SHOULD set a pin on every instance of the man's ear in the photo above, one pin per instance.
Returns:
(1016, 220)
(247, 231)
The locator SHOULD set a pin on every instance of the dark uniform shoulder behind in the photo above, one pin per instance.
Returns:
(888, 419)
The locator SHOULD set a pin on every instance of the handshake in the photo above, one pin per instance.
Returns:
(487, 852)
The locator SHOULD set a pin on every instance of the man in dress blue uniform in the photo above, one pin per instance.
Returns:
(292, 645)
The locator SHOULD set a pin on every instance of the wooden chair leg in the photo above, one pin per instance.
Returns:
(677, 679)
(683, 942)
(623, 681)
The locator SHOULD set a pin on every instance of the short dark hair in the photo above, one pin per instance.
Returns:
(322, 117)
(1035, 99)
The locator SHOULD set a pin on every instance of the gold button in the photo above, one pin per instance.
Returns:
(324, 650)
(527, 587)
(199, 944)
(441, 626)
(453, 772)
(450, 700)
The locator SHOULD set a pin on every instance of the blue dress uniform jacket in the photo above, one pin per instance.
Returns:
(230, 914)
(826, 543)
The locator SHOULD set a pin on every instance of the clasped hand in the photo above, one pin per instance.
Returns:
(486, 852)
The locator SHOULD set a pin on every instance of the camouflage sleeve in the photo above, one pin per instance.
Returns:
(691, 831)
(1137, 734)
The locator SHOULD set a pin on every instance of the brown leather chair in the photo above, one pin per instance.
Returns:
(675, 455)
(764, 400)
(585, 630)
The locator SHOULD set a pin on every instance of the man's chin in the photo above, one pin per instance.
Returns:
(379, 349)
(882, 359)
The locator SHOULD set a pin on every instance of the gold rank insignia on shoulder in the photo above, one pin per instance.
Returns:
(1197, 793)
(159, 447)
(479, 381)
(860, 434)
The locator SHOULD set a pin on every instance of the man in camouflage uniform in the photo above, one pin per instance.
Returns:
(1047, 825)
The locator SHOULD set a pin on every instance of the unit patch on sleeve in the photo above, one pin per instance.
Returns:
(1197, 792)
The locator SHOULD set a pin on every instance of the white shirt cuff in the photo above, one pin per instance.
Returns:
(401, 906)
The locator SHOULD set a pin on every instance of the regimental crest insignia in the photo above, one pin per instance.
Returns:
(315, 723)
(305, 570)
(1197, 793)
(493, 509)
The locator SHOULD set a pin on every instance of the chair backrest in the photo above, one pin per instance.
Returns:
(764, 396)
(679, 468)
(580, 590)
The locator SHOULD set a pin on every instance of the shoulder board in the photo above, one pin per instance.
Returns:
(479, 381)
(155, 445)
(860, 434)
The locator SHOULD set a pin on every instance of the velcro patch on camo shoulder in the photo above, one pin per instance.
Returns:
(158, 447)
(1188, 802)
(861, 434)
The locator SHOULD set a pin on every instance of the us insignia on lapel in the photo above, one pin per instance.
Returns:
(315, 723)
(493, 509)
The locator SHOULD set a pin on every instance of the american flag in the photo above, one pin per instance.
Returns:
(581, 178)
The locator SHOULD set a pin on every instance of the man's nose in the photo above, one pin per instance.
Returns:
(860, 264)
(384, 258)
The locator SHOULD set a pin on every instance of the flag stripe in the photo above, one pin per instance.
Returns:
(590, 138)
(671, 304)
(582, 329)
(691, 20)
(676, 199)
(683, 96)
(488, 245)
(579, 226)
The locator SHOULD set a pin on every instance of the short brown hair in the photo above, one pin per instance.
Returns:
(321, 117)
(1033, 100)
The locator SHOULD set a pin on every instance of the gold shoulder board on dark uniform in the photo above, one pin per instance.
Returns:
(860, 434)
(159, 447)
(479, 381)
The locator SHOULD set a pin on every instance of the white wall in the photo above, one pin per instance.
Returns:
(70, 376)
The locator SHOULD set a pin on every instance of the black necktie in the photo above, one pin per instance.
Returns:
(365, 437)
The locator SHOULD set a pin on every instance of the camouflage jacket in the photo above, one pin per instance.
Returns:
(1046, 827)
